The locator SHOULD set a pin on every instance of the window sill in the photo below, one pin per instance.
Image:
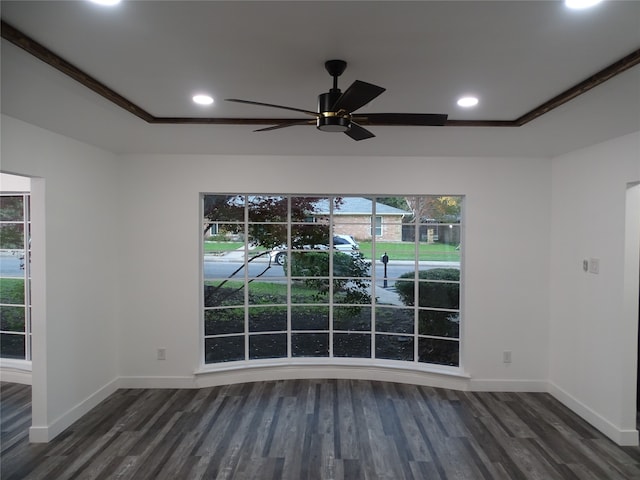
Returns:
(12, 364)
(15, 371)
(306, 368)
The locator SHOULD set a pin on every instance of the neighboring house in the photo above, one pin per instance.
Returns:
(356, 216)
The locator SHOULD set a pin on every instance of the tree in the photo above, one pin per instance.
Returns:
(440, 209)
(396, 202)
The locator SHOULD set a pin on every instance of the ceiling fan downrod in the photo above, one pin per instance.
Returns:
(330, 121)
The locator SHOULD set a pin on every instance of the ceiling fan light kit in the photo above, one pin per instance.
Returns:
(335, 109)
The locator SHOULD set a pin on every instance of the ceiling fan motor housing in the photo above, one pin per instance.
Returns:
(329, 121)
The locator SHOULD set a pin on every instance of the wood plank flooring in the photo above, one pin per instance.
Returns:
(314, 429)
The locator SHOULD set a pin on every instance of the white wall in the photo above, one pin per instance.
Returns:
(506, 264)
(593, 337)
(74, 269)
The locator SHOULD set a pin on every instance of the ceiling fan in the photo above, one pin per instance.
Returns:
(336, 109)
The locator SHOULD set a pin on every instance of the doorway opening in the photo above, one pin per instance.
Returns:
(15, 278)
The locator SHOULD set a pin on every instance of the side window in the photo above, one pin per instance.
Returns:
(15, 263)
(377, 226)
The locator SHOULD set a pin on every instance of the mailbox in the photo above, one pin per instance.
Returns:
(385, 259)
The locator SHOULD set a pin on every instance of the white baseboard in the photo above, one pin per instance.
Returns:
(501, 385)
(623, 437)
(157, 382)
(43, 434)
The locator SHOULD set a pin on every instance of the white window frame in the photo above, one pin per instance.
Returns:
(376, 281)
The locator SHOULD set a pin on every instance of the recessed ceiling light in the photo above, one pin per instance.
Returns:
(580, 4)
(202, 99)
(467, 102)
(108, 3)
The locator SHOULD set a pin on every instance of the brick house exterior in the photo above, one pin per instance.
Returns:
(355, 216)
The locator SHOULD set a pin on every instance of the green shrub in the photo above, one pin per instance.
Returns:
(431, 294)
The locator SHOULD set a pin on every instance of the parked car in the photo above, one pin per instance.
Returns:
(342, 243)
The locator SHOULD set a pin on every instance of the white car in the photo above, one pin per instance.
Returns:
(343, 243)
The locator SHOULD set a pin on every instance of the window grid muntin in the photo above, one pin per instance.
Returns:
(374, 278)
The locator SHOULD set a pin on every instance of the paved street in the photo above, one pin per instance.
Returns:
(225, 265)
(10, 265)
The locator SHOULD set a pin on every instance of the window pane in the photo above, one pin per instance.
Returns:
(352, 318)
(352, 210)
(267, 292)
(12, 319)
(268, 346)
(224, 320)
(223, 349)
(352, 290)
(438, 288)
(394, 347)
(12, 291)
(222, 239)
(396, 266)
(263, 208)
(268, 236)
(441, 352)
(310, 344)
(267, 319)
(309, 318)
(389, 227)
(12, 346)
(310, 264)
(11, 208)
(221, 293)
(224, 208)
(311, 290)
(387, 296)
(350, 265)
(439, 243)
(437, 208)
(310, 237)
(12, 236)
(310, 209)
(439, 324)
(396, 320)
(439, 295)
(352, 345)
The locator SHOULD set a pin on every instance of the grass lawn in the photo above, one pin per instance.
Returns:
(12, 291)
(268, 292)
(407, 251)
(222, 246)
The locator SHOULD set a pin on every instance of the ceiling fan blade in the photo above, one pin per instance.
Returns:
(409, 119)
(249, 102)
(357, 95)
(358, 133)
(285, 125)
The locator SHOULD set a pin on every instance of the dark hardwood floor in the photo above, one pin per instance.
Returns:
(325, 429)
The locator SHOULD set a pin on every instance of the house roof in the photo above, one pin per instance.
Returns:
(358, 206)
